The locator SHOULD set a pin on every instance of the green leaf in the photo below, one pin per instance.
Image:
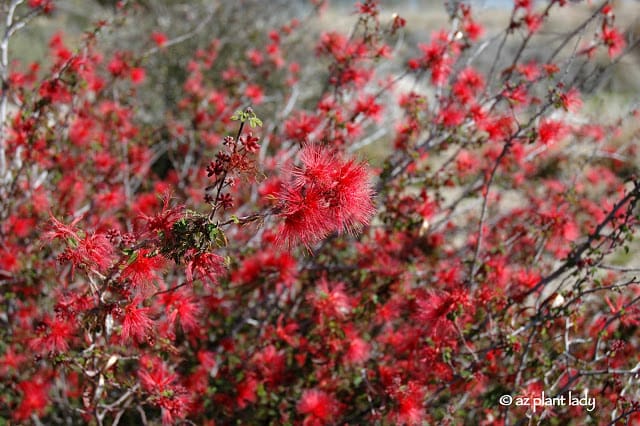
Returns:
(238, 116)
(357, 380)
(255, 122)
(218, 237)
(213, 231)
(260, 391)
(132, 258)
(180, 225)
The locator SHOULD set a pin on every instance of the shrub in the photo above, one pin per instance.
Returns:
(234, 259)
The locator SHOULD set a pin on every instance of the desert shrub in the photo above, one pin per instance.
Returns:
(232, 257)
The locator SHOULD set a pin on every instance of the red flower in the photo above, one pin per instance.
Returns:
(56, 336)
(255, 57)
(435, 308)
(154, 374)
(254, 93)
(368, 107)
(117, 66)
(358, 350)
(551, 131)
(142, 268)
(163, 222)
(137, 75)
(96, 251)
(182, 307)
(35, 399)
(529, 70)
(499, 128)
(451, 116)
(466, 162)
(410, 409)
(250, 142)
(473, 29)
(160, 39)
(533, 22)
(613, 40)
(80, 131)
(11, 361)
(353, 205)
(468, 84)
(318, 406)
(305, 218)
(203, 266)
(300, 126)
(60, 230)
(331, 300)
(136, 322)
(156, 379)
(246, 391)
(271, 364)
(326, 194)
(517, 94)
(571, 100)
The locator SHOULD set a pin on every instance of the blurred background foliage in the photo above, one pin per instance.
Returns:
(192, 24)
(240, 24)
(244, 24)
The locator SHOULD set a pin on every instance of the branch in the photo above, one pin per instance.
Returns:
(576, 254)
(186, 36)
(4, 75)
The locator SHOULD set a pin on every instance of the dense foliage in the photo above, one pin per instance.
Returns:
(236, 260)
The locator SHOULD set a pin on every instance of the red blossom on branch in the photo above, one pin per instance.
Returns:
(326, 194)
(318, 406)
(136, 322)
(142, 268)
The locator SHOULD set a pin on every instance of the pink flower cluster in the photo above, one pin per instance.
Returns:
(327, 193)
